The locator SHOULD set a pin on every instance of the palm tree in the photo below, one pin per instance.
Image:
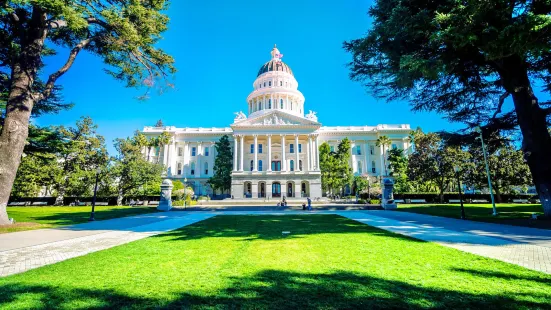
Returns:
(383, 141)
(161, 141)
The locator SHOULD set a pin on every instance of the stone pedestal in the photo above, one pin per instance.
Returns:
(388, 197)
(165, 204)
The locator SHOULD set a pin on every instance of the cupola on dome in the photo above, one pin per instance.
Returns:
(275, 64)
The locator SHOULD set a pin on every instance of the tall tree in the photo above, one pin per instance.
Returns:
(159, 123)
(433, 162)
(162, 140)
(384, 142)
(463, 59)
(81, 153)
(398, 165)
(221, 180)
(343, 173)
(123, 33)
(507, 169)
(132, 171)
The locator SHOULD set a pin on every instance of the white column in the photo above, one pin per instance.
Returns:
(241, 152)
(283, 150)
(235, 144)
(308, 156)
(382, 161)
(269, 163)
(186, 157)
(317, 153)
(366, 158)
(297, 166)
(352, 146)
(165, 155)
(255, 163)
(199, 167)
(172, 157)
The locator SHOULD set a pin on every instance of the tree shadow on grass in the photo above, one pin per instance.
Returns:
(505, 276)
(274, 289)
(271, 227)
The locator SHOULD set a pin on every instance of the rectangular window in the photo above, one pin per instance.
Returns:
(291, 148)
(252, 148)
(206, 151)
(270, 83)
(359, 167)
(179, 151)
(193, 151)
(358, 150)
(394, 146)
(332, 148)
(259, 148)
(300, 148)
(371, 149)
(280, 83)
(179, 168)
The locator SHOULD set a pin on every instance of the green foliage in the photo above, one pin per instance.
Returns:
(335, 168)
(134, 174)
(360, 184)
(177, 185)
(221, 180)
(398, 165)
(433, 161)
(384, 142)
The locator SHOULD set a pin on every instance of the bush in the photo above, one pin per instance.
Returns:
(375, 201)
(362, 201)
(178, 203)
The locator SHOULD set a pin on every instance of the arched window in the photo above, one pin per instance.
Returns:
(300, 165)
(252, 165)
(192, 168)
(260, 165)
(206, 168)
(280, 83)
(270, 83)
(292, 165)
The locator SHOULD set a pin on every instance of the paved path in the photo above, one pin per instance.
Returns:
(22, 251)
(527, 247)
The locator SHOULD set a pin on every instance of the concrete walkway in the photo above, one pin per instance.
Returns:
(22, 251)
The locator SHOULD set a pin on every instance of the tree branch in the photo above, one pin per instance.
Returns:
(500, 104)
(547, 111)
(56, 75)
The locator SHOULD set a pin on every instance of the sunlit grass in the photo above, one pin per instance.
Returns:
(28, 218)
(326, 262)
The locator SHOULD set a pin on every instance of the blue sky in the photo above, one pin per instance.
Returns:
(219, 47)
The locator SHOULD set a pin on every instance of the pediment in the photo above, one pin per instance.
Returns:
(276, 118)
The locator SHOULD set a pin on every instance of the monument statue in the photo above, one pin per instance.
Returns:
(388, 197)
(165, 203)
(312, 116)
(239, 116)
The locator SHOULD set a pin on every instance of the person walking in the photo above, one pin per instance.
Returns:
(309, 203)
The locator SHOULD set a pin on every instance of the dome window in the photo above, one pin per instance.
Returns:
(270, 83)
(280, 83)
(264, 84)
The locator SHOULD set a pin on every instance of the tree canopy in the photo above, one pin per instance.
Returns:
(464, 59)
(124, 34)
(223, 165)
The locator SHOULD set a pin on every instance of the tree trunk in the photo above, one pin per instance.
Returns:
(19, 106)
(498, 193)
(536, 142)
(119, 198)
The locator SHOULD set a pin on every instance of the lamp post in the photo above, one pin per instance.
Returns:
(456, 169)
(92, 218)
(185, 188)
(479, 130)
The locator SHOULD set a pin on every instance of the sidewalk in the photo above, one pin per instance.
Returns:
(527, 247)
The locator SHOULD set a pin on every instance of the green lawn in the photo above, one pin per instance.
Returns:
(327, 262)
(44, 217)
(511, 214)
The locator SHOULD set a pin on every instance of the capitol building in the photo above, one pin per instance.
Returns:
(275, 145)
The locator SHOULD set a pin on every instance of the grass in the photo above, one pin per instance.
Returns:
(510, 214)
(28, 218)
(327, 262)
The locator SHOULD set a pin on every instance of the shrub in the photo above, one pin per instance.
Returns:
(375, 201)
(362, 201)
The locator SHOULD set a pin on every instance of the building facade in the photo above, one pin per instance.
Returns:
(275, 146)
